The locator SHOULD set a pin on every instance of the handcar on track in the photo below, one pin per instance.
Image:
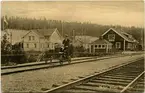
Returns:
(64, 55)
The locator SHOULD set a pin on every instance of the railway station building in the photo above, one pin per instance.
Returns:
(121, 41)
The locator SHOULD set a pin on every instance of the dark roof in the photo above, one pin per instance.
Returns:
(101, 41)
(123, 34)
(45, 32)
(127, 36)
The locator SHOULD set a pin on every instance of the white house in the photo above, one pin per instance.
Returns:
(35, 40)
(49, 37)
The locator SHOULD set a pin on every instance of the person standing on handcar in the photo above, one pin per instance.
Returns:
(66, 43)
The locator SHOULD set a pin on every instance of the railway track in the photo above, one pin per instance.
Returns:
(127, 78)
(42, 63)
(30, 67)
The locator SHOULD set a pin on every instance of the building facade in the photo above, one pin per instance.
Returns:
(100, 46)
(84, 41)
(121, 41)
(35, 40)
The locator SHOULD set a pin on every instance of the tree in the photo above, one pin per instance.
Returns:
(5, 49)
(90, 28)
(5, 45)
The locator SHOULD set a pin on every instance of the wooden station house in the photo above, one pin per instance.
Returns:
(114, 41)
(121, 41)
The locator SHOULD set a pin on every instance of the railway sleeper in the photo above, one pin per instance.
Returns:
(118, 80)
(131, 91)
(140, 85)
(136, 89)
(100, 88)
(110, 82)
(78, 91)
(103, 85)
(127, 73)
(123, 75)
(119, 77)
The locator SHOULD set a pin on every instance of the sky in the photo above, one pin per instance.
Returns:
(125, 13)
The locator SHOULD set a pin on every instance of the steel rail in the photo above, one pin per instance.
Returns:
(17, 54)
(48, 66)
(45, 66)
(24, 65)
(125, 88)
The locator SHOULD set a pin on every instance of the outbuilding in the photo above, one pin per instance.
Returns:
(100, 46)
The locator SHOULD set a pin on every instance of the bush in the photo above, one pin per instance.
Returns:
(32, 58)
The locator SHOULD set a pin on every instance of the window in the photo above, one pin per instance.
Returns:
(118, 44)
(129, 45)
(42, 45)
(33, 37)
(27, 45)
(111, 37)
(92, 49)
(99, 46)
(48, 45)
(35, 45)
(29, 37)
(103, 46)
(96, 46)
(22, 45)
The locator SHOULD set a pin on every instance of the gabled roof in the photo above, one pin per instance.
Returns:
(101, 41)
(45, 32)
(77, 43)
(123, 34)
(16, 35)
(85, 39)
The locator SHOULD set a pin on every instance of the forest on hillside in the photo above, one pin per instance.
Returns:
(80, 28)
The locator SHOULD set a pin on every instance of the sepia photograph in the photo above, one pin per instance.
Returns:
(72, 46)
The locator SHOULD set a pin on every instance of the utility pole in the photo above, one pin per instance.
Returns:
(73, 36)
(3, 24)
(142, 39)
(62, 28)
(85, 38)
(82, 34)
(11, 37)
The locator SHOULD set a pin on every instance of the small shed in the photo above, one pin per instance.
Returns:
(100, 46)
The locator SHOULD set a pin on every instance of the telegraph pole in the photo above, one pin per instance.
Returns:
(11, 37)
(142, 39)
(62, 28)
(73, 36)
